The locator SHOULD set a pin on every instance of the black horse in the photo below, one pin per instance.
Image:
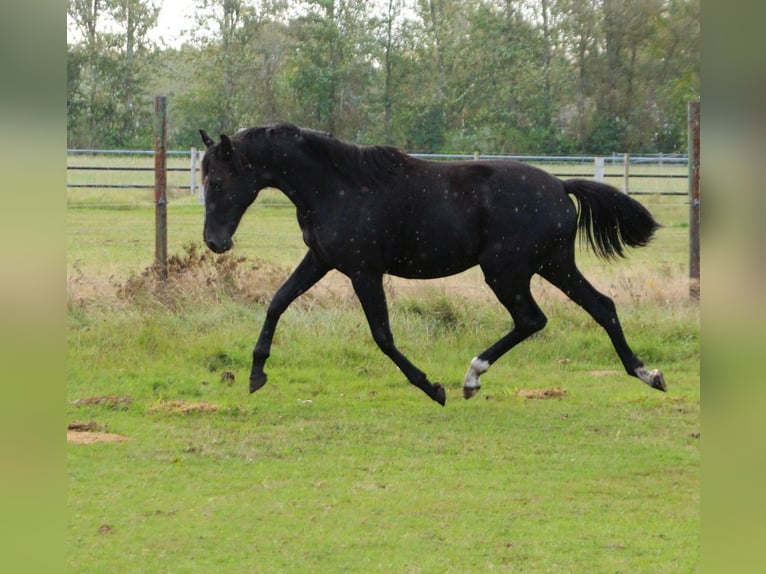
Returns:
(371, 210)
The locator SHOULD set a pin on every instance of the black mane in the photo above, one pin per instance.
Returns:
(364, 165)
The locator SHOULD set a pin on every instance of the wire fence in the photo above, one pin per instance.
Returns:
(101, 184)
(103, 178)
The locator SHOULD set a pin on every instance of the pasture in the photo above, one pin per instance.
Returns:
(561, 464)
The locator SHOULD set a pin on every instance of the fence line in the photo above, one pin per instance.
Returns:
(598, 163)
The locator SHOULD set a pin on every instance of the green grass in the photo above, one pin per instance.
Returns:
(370, 475)
(338, 464)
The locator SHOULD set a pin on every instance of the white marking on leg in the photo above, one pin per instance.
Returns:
(478, 367)
(654, 378)
(644, 375)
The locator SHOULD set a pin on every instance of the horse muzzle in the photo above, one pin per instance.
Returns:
(219, 245)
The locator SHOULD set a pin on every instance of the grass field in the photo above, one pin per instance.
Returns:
(561, 464)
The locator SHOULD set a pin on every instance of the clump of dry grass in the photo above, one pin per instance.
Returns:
(539, 394)
(196, 276)
(183, 407)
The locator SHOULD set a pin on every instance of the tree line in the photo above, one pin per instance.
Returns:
(499, 76)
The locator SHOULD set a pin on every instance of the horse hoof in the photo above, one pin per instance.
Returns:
(469, 392)
(257, 382)
(654, 378)
(440, 395)
(658, 381)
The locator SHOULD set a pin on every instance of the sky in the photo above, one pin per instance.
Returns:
(173, 18)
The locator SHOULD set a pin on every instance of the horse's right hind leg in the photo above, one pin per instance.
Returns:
(571, 281)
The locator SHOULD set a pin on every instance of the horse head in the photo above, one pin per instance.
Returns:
(230, 185)
(235, 169)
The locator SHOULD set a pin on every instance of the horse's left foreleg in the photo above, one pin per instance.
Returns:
(369, 290)
(308, 272)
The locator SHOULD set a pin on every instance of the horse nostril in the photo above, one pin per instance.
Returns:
(219, 246)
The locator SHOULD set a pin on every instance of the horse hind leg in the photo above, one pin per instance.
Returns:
(515, 295)
(572, 282)
(471, 383)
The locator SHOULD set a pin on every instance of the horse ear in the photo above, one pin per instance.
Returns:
(206, 139)
(227, 150)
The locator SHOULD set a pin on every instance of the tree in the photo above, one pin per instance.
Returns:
(110, 71)
(579, 35)
(391, 38)
(332, 64)
(76, 99)
(135, 18)
(220, 64)
(439, 97)
(85, 16)
(236, 68)
(498, 79)
(514, 76)
(677, 79)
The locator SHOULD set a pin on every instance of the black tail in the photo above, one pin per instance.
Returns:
(610, 219)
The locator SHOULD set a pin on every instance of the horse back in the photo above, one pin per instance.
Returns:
(504, 193)
(447, 215)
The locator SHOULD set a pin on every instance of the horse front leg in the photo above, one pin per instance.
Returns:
(369, 290)
(309, 271)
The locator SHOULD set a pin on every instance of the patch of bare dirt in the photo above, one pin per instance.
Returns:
(91, 432)
(554, 393)
(183, 407)
(112, 401)
(92, 437)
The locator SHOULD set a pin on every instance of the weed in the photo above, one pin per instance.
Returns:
(442, 313)
(220, 360)
(197, 276)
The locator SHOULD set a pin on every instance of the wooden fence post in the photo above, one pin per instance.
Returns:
(160, 187)
(694, 199)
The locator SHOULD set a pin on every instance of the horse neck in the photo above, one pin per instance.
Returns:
(308, 182)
